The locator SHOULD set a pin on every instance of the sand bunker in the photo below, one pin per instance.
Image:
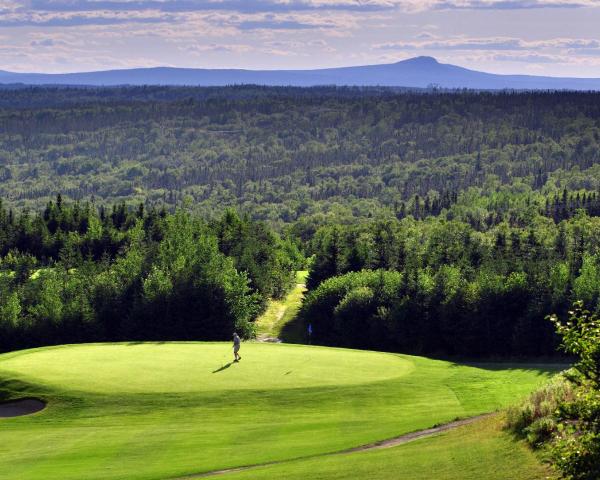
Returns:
(18, 408)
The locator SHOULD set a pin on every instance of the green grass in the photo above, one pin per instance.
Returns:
(301, 276)
(474, 452)
(280, 313)
(160, 410)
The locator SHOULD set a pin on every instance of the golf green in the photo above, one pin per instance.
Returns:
(161, 410)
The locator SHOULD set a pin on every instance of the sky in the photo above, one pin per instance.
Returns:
(541, 37)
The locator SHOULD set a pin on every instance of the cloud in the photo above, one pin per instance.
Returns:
(279, 6)
(242, 6)
(219, 48)
(493, 44)
(69, 13)
(512, 4)
(528, 58)
(307, 47)
(79, 19)
(280, 25)
(243, 15)
(592, 52)
(455, 44)
(48, 42)
(277, 22)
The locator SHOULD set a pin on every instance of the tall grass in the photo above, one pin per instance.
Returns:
(535, 418)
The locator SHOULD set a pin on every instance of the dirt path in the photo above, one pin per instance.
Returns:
(18, 408)
(280, 312)
(392, 442)
(265, 337)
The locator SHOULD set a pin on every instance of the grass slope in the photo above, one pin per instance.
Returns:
(474, 452)
(280, 313)
(150, 411)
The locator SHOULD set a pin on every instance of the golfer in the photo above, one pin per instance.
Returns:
(236, 348)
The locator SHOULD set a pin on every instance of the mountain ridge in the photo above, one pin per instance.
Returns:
(416, 72)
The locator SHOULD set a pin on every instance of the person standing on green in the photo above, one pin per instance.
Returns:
(236, 347)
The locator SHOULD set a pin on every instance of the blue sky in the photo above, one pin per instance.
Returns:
(549, 37)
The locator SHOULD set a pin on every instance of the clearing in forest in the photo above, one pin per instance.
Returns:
(280, 315)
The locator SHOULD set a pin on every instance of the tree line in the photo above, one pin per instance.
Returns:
(441, 286)
(78, 273)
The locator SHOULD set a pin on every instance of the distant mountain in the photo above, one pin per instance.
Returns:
(419, 72)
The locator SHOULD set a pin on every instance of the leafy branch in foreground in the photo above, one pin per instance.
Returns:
(564, 417)
(576, 450)
(581, 336)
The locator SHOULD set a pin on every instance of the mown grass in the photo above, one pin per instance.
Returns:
(473, 452)
(161, 410)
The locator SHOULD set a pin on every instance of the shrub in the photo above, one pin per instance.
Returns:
(565, 415)
(535, 418)
(350, 310)
(541, 430)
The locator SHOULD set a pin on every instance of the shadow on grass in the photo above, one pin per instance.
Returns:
(224, 367)
(10, 388)
(541, 366)
(294, 332)
(15, 389)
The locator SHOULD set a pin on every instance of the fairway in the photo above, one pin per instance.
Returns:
(162, 410)
(475, 452)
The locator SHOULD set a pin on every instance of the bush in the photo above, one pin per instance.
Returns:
(352, 310)
(541, 430)
(535, 418)
(564, 417)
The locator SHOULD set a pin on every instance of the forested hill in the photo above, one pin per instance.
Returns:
(288, 153)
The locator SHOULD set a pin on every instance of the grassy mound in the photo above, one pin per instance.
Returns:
(145, 411)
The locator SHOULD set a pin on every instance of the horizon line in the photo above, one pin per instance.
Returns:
(155, 67)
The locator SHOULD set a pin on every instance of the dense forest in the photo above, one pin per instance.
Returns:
(76, 273)
(473, 275)
(439, 286)
(446, 223)
(288, 155)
